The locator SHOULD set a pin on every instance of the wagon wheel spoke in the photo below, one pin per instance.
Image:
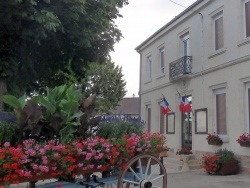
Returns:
(127, 185)
(143, 171)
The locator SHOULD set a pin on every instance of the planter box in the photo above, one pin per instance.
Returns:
(216, 143)
(230, 167)
(247, 144)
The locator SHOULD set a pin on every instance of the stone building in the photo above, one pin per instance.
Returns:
(204, 54)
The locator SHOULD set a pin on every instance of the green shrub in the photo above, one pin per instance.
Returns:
(117, 126)
(225, 155)
(8, 132)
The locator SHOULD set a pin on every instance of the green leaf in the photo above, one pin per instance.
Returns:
(76, 115)
(44, 102)
(12, 101)
(22, 101)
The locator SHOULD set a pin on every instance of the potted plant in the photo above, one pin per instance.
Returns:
(244, 140)
(184, 156)
(184, 151)
(213, 139)
(223, 162)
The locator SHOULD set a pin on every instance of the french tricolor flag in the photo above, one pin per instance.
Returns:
(165, 106)
(184, 105)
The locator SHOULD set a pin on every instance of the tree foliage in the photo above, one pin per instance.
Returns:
(107, 82)
(41, 39)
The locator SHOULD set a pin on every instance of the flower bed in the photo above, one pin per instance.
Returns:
(222, 162)
(34, 159)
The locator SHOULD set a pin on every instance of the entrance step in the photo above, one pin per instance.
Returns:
(173, 164)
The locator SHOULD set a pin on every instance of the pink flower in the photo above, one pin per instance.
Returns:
(88, 156)
(99, 166)
(34, 166)
(139, 149)
(6, 144)
(45, 162)
(47, 147)
(100, 155)
(56, 155)
(42, 151)
(27, 174)
(80, 165)
(107, 150)
(90, 166)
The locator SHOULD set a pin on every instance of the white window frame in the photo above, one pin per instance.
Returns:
(247, 107)
(244, 16)
(185, 38)
(149, 68)
(217, 92)
(162, 63)
(215, 18)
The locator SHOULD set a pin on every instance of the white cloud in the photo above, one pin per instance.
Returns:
(141, 18)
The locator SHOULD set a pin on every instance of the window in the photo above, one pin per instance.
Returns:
(247, 17)
(149, 68)
(185, 45)
(220, 111)
(218, 31)
(148, 117)
(162, 71)
(248, 105)
(185, 51)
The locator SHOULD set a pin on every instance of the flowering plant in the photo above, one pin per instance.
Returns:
(244, 138)
(184, 151)
(213, 138)
(212, 163)
(33, 159)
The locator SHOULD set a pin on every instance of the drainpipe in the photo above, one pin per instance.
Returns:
(139, 92)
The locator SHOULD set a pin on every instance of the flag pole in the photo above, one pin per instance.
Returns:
(181, 99)
(167, 102)
(178, 93)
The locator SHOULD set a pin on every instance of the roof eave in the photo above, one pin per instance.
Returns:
(168, 24)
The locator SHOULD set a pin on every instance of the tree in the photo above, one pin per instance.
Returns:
(38, 39)
(106, 81)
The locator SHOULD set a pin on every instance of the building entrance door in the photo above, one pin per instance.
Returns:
(187, 127)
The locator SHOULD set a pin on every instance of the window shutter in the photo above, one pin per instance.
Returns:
(161, 121)
(221, 114)
(247, 10)
(249, 107)
(219, 41)
(162, 59)
(149, 119)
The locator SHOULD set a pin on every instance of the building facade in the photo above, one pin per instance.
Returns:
(204, 54)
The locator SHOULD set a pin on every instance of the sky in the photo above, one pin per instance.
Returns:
(141, 19)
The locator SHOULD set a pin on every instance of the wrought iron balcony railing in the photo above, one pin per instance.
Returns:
(180, 68)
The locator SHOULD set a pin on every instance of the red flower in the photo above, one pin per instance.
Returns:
(2, 156)
(14, 166)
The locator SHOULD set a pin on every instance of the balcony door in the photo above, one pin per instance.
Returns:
(185, 51)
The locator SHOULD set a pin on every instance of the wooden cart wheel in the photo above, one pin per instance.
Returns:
(143, 171)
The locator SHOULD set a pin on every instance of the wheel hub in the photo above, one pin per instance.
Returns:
(146, 184)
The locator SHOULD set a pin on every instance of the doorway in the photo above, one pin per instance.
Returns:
(187, 127)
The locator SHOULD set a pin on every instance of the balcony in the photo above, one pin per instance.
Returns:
(181, 68)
